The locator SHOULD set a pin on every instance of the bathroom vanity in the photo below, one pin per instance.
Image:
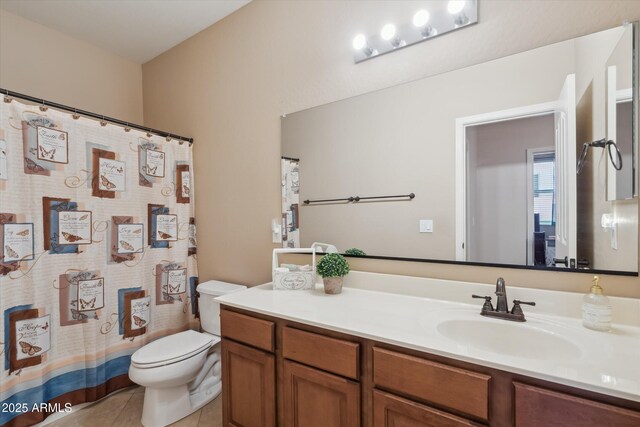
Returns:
(370, 358)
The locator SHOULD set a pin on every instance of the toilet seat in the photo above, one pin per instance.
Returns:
(172, 349)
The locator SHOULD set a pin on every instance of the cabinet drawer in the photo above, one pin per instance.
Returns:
(247, 329)
(390, 410)
(455, 388)
(540, 407)
(329, 354)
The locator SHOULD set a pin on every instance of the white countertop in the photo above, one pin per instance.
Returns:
(603, 362)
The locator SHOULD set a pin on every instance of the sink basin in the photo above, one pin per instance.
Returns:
(509, 339)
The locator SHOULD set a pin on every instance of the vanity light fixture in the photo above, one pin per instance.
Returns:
(425, 25)
(360, 44)
(456, 8)
(421, 20)
(389, 34)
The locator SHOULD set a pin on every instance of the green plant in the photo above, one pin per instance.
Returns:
(355, 252)
(333, 265)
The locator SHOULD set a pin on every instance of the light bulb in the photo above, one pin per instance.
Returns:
(388, 31)
(421, 18)
(455, 6)
(359, 42)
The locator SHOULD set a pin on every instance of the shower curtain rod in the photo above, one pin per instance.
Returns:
(57, 106)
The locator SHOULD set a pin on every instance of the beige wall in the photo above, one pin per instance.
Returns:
(45, 63)
(230, 83)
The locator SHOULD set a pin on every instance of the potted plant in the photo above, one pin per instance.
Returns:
(333, 268)
(355, 252)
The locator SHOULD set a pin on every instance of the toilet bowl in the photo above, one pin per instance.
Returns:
(181, 372)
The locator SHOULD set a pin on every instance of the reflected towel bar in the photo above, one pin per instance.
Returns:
(354, 199)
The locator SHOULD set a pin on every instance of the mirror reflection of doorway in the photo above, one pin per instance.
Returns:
(511, 198)
(493, 224)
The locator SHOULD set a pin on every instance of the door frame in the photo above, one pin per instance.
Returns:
(461, 159)
(615, 97)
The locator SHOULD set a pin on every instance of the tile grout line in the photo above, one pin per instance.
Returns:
(115, 419)
(199, 416)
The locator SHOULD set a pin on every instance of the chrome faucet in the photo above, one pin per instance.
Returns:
(502, 308)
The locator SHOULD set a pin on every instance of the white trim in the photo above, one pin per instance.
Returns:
(461, 163)
(614, 97)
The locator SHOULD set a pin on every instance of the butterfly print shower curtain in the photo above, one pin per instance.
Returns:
(98, 255)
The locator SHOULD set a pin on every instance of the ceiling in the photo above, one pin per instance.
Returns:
(138, 30)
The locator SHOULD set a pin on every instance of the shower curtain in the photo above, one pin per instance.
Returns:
(97, 257)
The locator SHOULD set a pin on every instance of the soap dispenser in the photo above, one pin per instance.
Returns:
(596, 309)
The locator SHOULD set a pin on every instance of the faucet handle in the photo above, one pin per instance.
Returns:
(517, 310)
(517, 301)
(487, 306)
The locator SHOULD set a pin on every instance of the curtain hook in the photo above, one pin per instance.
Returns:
(127, 128)
(43, 107)
(181, 141)
(75, 115)
(149, 135)
(103, 122)
(7, 98)
(168, 138)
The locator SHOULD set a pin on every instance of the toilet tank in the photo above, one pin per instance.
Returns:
(209, 307)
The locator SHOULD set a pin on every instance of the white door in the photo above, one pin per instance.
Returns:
(566, 204)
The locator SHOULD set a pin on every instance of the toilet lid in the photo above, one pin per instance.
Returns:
(173, 348)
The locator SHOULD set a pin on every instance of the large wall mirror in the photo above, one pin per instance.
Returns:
(529, 160)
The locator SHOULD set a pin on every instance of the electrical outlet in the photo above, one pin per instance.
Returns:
(426, 226)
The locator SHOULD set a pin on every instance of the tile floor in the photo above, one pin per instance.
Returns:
(124, 409)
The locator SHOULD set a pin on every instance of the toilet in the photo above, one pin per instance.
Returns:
(181, 372)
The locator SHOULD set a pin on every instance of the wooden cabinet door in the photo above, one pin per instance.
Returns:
(537, 406)
(248, 382)
(313, 398)
(394, 411)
